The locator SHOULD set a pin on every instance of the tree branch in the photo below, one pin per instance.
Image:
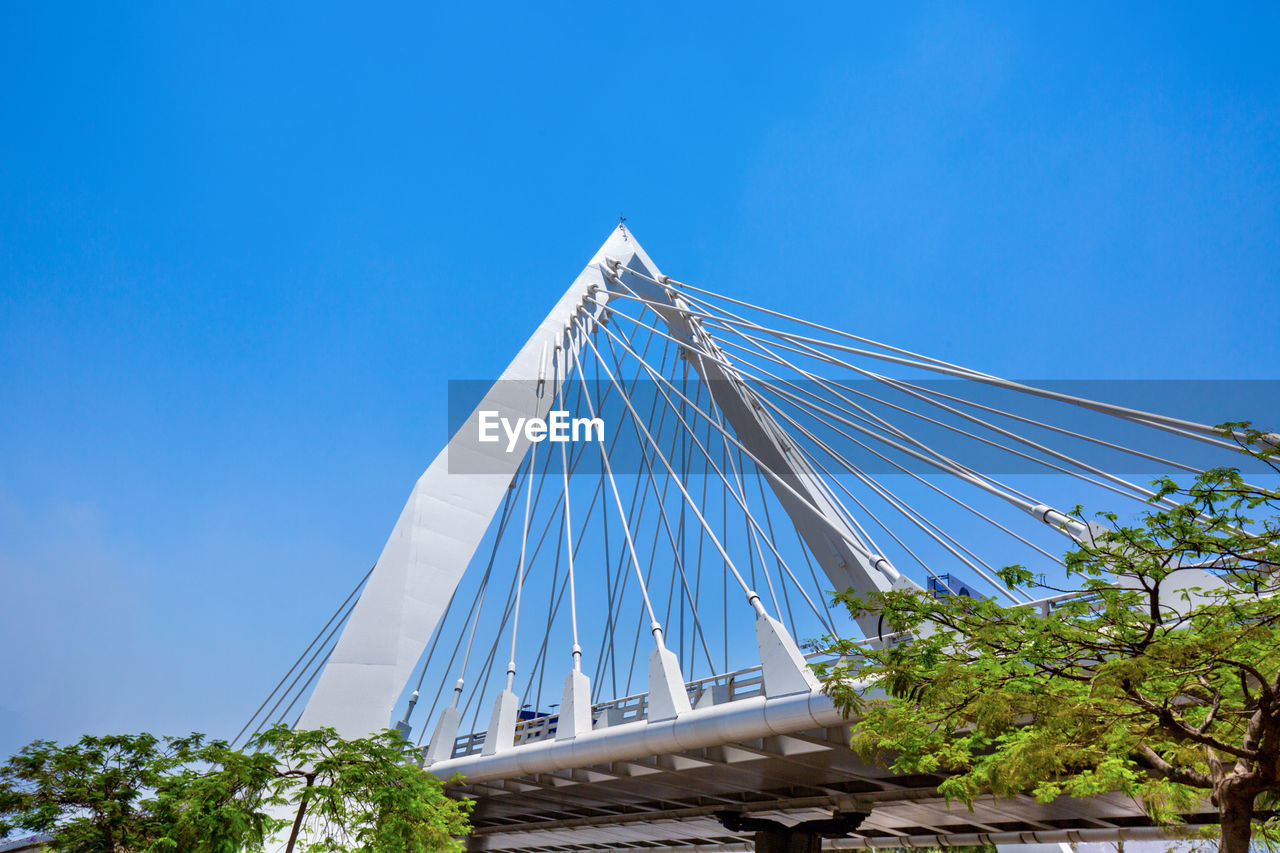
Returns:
(1181, 731)
(1174, 774)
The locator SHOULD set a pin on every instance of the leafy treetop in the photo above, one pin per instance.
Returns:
(1160, 678)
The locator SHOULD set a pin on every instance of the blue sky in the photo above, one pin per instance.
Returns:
(243, 249)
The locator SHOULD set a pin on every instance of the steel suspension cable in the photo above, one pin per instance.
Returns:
(904, 388)
(305, 652)
(604, 459)
(807, 408)
(717, 542)
(307, 668)
(1191, 429)
(952, 468)
(773, 476)
(940, 536)
(661, 501)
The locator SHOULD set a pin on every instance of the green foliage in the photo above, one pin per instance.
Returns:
(132, 793)
(142, 793)
(1157, 680)
(366, 794)
(219, 805)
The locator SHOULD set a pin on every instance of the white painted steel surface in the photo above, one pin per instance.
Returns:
(742, 719)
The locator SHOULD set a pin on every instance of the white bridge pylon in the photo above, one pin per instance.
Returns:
(768, 459)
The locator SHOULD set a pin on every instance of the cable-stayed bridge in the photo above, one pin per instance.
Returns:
(600, 602)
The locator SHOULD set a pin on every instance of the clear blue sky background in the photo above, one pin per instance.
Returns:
(243, 249)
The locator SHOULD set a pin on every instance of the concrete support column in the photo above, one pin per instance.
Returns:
(804, 837)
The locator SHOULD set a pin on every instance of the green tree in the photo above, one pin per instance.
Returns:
(121, 793)
(222, 804)
(366, 794)
(143, 794)
(1148, 682)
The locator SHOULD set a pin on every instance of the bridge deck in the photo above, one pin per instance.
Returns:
(670, 800)
(544, 795)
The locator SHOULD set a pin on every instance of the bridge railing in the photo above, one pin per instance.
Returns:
(709, 690)
(702, 692)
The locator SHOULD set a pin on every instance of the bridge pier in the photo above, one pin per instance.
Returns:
(786, 841)
(804, 837)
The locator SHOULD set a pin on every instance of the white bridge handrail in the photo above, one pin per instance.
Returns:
(734, 686)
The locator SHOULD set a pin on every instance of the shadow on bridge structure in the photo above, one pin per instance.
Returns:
(600, 603)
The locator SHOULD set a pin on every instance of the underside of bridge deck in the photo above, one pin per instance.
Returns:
(679, 801)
